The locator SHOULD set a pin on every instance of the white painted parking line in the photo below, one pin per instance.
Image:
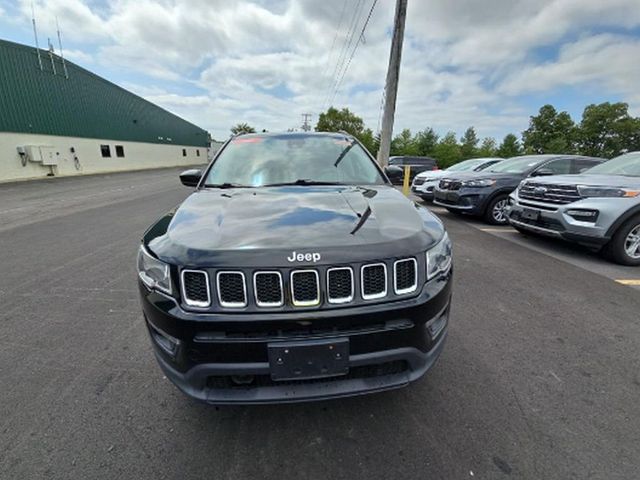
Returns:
(634, 282)
(498, 230)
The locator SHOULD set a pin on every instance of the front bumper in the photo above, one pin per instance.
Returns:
(424, 191)
(468, 200)
(391, 345)
(553, 220)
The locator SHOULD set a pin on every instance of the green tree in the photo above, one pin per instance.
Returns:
(488, 148)
(334, 120)
(404, 144)
(510, 147)
(241, 128)
(550, 132)
(447, 152)
(607, 130)
(426, 142)
(370, 142)
(469, 144)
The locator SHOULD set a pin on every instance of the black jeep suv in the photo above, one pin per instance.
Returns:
(294, 272)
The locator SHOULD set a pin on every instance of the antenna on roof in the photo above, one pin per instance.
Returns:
(64, 65)
(53, 65)
(35, 34)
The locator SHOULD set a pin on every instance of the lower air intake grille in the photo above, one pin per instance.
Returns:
(340, 285)
(232, 291)
(195, 288)
(405, 275)
(268, 289)
(304, 288)
(374, 281)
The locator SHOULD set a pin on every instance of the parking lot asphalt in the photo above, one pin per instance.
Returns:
(540, 377)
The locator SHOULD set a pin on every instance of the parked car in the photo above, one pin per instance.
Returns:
(417, 164)
(295, 271)
(599, 208)
(424, 183)
(486, 193)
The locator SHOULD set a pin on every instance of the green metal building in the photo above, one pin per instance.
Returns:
(44, 98)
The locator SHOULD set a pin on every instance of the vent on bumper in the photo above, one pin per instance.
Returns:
(374, 281)
(405, 274)
(195, 288)
(268, 289)
(232, 290)
(340, 285)
(305, 288)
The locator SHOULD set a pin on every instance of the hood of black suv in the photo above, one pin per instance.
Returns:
(502, 179)
(264, 226)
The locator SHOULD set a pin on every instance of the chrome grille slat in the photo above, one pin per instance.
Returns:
(373, 281)
(268, 290)
(232, 289)
(340, 288)
(405, 276)
(305, 288)
(195, 288)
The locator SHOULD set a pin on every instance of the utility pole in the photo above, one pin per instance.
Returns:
(305, 122)
(391, 88)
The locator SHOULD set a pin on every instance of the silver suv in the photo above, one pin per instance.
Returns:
(598, 208)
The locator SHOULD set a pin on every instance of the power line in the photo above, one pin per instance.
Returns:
(355, 47)
(343, 52)
(329, 81)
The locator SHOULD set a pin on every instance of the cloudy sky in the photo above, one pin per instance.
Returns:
(488, 63)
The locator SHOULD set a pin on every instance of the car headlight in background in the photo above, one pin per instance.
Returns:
(439, 258)
(485, 182)
(153, 273)
(611, 192)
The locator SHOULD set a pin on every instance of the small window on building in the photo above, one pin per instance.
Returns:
(119, 151)
(106, 151)
(184, 152)
(197, 152)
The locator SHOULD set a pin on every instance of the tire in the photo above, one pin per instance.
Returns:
(494, 213)
(624, 247)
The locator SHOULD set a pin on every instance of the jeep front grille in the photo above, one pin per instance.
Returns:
(305, 288)
(374, 281)
(267, 287)
(405, 276)
(339, 285)
(549, 193)
(195, 288)
(288, 289)
(232, 289)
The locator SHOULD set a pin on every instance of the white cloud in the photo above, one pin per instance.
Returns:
(465, 62)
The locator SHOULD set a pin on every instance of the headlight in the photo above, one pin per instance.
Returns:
(594, 191)
(153, 273)
(439, 258)
(486, 182)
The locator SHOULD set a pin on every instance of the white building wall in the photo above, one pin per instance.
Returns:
(87, 157)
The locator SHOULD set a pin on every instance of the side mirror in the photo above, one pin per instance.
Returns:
(394, 173)
(191, 178)
(543, 172)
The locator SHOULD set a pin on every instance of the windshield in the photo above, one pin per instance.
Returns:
(259, 160)
(623, 165)
(517, 164)
(466, 165)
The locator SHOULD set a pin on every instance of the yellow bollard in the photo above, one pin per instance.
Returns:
(405, 183)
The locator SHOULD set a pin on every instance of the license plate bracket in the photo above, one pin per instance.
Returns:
(308, 359)
(530, 214)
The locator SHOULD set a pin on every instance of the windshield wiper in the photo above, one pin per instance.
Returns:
(225, 185)
(301, 181)
(343, 154)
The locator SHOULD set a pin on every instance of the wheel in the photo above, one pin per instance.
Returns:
(495, 212)
(624, 247)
